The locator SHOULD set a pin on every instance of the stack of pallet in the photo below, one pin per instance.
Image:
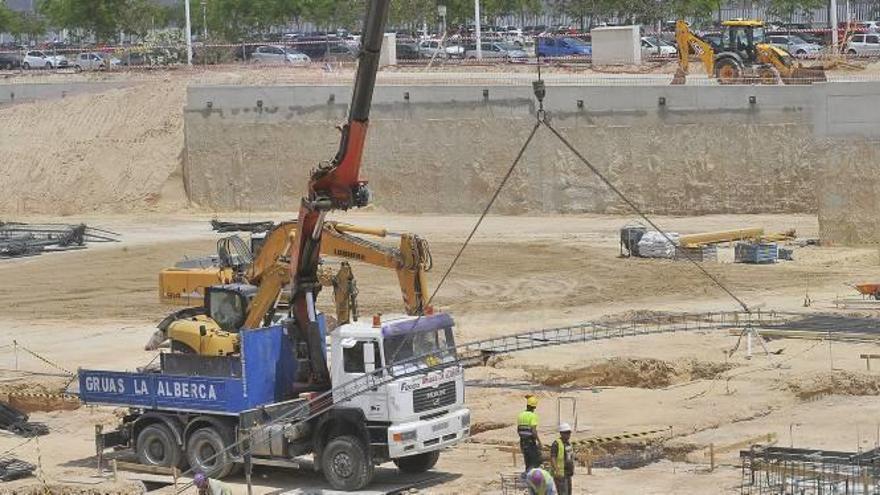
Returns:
(756, 252)
(702, 253)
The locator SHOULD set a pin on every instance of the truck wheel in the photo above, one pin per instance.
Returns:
(156, 446)
(205, 451)
(346, 464)
(416, 464)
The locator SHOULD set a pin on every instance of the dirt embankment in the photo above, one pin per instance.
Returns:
(630, 372)
(834, 383)
(115, 151)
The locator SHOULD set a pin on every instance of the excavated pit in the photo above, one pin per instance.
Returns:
(629, 372)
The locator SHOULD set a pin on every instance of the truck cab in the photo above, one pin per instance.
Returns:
(424, 411)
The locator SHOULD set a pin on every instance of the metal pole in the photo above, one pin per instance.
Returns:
(189, 47)
(833, 21)
(205, 21)
(478, 30)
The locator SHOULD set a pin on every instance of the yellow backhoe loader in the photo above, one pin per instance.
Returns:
(251, 301)
(742, 57)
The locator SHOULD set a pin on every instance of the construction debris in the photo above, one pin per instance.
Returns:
(15, 421)
(23, 239)
(13, 469)
(779, 470)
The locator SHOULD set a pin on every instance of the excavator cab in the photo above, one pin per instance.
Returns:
(228, 304)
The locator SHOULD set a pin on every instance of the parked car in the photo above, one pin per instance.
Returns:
(431, 49)
(10, 60)
(793, 44)
(341, 52)
(513, 35)
(869, 26)
(407, 51)
(271, 54)
(652, 45)
(547, 46)
(95, 61)
(36, 59)
(864, 44)
(498, 49)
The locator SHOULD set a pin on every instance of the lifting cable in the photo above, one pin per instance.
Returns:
(542, 118)
(639, 212)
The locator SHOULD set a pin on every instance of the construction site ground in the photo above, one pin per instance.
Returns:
(97, 307)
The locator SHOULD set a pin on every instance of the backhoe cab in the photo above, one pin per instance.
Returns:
(742, 56)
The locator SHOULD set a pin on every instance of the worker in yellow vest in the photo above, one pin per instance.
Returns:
(540, 482)
(527, 429)
(562, 460)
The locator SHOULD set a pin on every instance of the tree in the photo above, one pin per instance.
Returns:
(25, 23)
(7, 18)
(786, 9)
(98, 17)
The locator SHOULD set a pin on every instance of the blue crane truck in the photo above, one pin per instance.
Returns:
(195, 410)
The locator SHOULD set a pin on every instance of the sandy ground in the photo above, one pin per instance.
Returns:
(97, 307)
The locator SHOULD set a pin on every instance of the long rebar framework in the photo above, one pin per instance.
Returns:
(790, 471)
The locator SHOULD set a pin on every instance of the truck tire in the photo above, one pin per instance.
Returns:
(206, 452)
(156, 446)
(346, 464)
(416, 464)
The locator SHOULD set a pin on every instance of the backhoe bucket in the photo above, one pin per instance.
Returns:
(680, 77)
(806, 75)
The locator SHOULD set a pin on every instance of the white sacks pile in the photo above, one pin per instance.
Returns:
(654, 245)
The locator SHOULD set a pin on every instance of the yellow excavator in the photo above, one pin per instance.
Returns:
(251, 300)
(742, 56)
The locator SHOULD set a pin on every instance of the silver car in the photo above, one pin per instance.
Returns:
(95, 61)
(793, 44)
(499, 49)
(863, 44)
(268, 54)
(36, 59)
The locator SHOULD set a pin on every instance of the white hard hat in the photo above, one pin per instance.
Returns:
(564, 427)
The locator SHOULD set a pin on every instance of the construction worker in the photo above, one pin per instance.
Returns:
(527, 429)
(540, 482)
(562, 460)
(208, 486)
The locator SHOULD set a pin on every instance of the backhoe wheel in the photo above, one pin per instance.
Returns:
(346, 464)
(728, 72)
(769, 75)
(417, 464)
(206, 452)
(156, 447)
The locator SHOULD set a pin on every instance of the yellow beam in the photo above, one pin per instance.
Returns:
(697, 240)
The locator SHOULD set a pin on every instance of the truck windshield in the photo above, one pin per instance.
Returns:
(439, 343)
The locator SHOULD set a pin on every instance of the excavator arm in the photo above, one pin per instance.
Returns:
(410, 261)
(687, 41)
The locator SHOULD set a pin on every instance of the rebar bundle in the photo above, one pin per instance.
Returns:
(26, 239)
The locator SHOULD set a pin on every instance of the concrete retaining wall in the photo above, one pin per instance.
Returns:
(20, 93)
(676, 150)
